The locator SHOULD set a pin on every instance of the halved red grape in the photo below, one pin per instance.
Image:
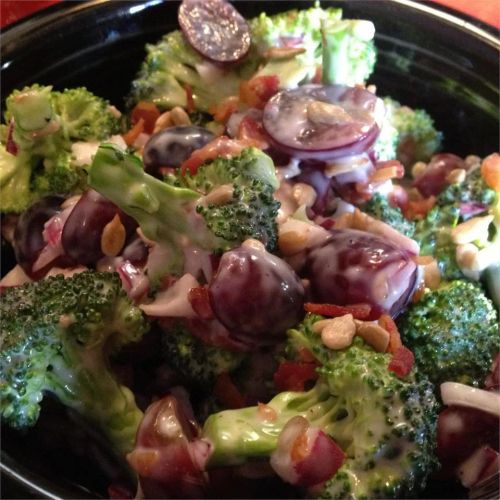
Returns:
(81, 236)
(354, 267)
(215, 29)
(323, 122)
(28, 235)
(256, 294)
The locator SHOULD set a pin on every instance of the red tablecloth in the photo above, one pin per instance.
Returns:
(487, 11)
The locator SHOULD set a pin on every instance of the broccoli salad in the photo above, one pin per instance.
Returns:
(259, 275)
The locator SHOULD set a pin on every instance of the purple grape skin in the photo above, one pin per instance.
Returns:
(255, 294)
(81, 236)
(172, 146)
(28, 234)
(355, 267)
(215, 29)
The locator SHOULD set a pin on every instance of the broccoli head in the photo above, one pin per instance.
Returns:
(169, 214)
(384, 424)
(15, 174)
(56, 337)
(380, 208)
(408, 135)
(44, 124)
(433, 233)
(453, 332)
(197, 361)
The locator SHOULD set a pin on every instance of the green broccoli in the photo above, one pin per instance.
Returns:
(56, 336)
(169, 214)
(349, 53)
(198, 362)
(408, 135)
(380, 208)
(473, 190)
(453, 332)
(384, 424)
(434, 236)
(45, 125)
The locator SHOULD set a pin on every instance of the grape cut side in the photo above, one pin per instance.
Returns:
(215, 29)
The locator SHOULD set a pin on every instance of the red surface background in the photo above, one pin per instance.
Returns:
(487, 11)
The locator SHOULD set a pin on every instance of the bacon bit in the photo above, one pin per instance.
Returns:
(418, 209)
(358, 311)
(131, 136)
(220, 146)
(292, 376)
(490, 171)
(387, 323)
(266, 413)
(250, 129)
(227, 393)
(223, 110)
(200, 302)
(257, 91)
(402, 362)
(190, 105)
(305, 355)
(386, 170)
(318, 75)
(11, 146)
(148, 112)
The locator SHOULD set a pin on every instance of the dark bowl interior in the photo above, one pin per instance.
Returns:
(427, 58)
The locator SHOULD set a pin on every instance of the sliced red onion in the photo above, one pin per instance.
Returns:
(15, 277)
(323, 122)
(470, 209)
(473, 469)
(134, 281)
(453, 393)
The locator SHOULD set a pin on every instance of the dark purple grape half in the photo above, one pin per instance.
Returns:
(348, 128)
(355, 267)
(172, 146)
(81, 236)
(256, 294)
(28, 235)
(215, 29)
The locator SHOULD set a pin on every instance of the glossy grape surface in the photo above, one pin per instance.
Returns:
(256, 294)
(355, 267)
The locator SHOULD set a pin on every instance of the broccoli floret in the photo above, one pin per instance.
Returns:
(473, 190)
(15, 173)
(45, 124)
(349, 52)
(380, 208)
(434, 236)
(170, 214)
(453, 332)
(198, 362)
(56, 336)
(384, 424)
(408, 135)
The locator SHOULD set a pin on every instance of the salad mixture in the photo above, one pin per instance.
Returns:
(259, 278)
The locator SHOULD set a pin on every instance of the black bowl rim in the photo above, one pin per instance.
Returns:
(42, 487)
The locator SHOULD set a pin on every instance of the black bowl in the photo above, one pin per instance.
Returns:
(427, 58)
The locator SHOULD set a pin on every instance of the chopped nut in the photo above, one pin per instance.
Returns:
(465, 255)
(418, 168)
(292, 242)
(162, 122)
(373, 334)
(344, 221)
(423, 260)
(282, 52)
(219, 196)
(255, 244)
(326, 113)
(456, 176)
(359, 220)
(113, 237)
(337, 333)
(472, 230)
(432, 275)
(472, 161)
(304, 194)
(179, 116)
(386, 173)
